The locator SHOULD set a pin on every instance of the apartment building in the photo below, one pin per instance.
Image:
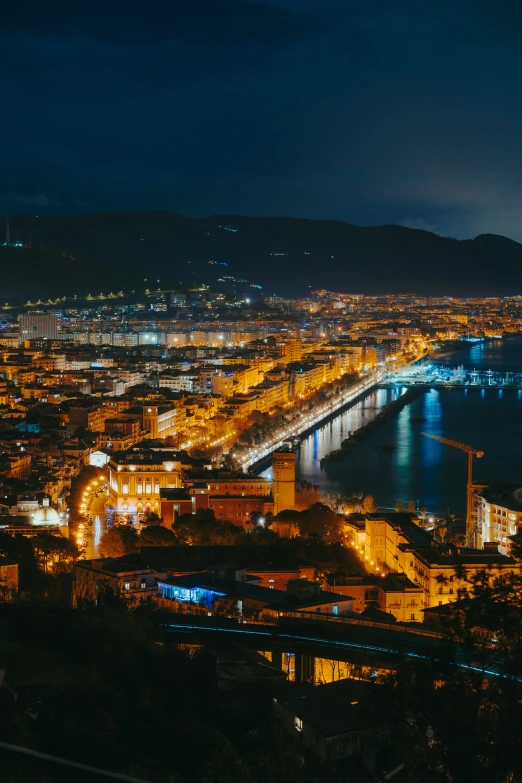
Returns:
(499, 514)
(396, 541)
(35, 326)
(126, 576)
(162, 421)
(89, 416)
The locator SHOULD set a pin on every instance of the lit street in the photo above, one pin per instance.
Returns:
(95, 532)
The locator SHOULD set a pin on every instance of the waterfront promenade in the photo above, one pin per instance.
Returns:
(305, 425)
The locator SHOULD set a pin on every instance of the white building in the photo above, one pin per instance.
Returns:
(499, 514)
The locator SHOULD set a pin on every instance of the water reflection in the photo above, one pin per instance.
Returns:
(420, 468)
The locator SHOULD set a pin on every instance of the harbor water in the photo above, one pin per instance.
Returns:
(415, 467)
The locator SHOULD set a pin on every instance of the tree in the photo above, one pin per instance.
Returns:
(484, 749)
(157, 536)
(369, 505)
(119, 540)
(306, 495)
(411, 507)
(152, 519)
(320, 520)
(203, 528)
(399, 506)
(53, 553)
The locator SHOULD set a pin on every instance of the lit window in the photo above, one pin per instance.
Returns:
(143, 584)
(127, 585)
(298, 723)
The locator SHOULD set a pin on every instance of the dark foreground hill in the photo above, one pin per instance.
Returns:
(92, 253)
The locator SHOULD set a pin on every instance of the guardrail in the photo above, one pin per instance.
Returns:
(339, 619)
(276, 621)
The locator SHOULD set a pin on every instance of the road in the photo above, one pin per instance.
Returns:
(379, 641)
(313, 419)
(94, 533)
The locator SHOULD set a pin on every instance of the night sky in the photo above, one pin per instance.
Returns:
(369, 111)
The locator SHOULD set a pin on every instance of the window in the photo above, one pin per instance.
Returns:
(125, 489)
(452, 578)
(412, 616)
(127, 585)
(451, 591)
(298, 723)
(143, 584)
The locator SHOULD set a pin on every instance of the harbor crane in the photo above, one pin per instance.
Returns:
(471, 452)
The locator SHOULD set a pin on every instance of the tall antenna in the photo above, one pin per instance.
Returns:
(7, 234)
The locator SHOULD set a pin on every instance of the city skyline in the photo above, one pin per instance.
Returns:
(261, 391)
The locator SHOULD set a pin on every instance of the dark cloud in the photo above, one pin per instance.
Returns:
(214, 22)
(372, 111)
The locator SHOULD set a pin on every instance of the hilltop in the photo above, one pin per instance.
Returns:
(284, 255)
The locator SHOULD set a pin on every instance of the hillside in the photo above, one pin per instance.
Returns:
(91, 253)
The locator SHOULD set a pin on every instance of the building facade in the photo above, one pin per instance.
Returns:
(135, 481)
(499, 515)
(35, 326)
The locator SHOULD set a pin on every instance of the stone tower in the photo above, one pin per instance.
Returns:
(283, 471)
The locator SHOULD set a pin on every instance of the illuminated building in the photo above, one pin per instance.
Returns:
(394, 540)
(227, 590)
(135, 481)
(38, 326)
(283, 471)
(273, 567)
(499, 514)
(161, 421)
(90, 416)
(125, 576)
(394, 594)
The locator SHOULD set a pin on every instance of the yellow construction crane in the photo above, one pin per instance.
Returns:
(471, 452)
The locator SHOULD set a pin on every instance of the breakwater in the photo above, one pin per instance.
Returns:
(354, 438)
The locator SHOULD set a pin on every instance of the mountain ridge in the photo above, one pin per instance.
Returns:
(284, 255)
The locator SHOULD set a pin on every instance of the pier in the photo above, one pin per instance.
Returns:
(434, 375)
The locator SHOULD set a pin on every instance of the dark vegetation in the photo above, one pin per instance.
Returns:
(318, 253)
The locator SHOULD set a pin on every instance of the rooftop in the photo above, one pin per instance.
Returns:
(333, 709)
(506, 495)
(187, 559)
(448, 554)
